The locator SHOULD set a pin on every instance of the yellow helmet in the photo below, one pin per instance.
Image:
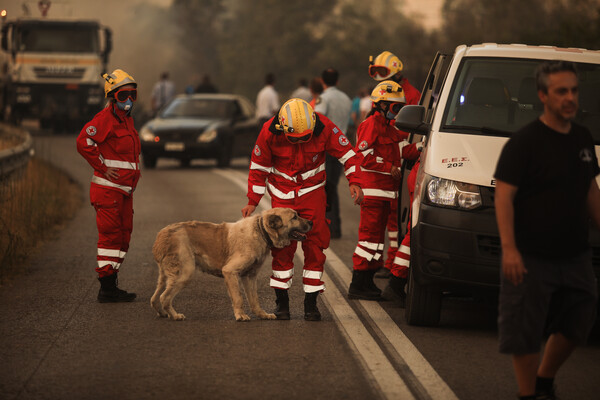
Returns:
(116, 79)
(297, 120)
(384, 66)
(388, 91)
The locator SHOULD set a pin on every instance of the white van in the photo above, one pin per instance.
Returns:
(471, 103)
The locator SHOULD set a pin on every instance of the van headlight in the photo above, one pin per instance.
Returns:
(207, 136)
(448, 193)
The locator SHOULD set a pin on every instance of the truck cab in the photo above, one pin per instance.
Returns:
(51, 69)
(472, 102)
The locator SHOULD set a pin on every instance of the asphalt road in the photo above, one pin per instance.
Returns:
(57, 342)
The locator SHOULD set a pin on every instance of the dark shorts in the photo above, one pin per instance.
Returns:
(556, 296)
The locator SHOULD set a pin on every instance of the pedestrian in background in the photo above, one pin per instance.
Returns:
(289, 161)
(111, 145)
(364, 106)
(383, 148)
(267, 100)
(162, 92)
(355, 112)
(316, 88)
(335, 105)
(546, 192)
(206, 86)
(302, 91)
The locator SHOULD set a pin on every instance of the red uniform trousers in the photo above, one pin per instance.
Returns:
(374, 217)
(401, 262)
(392, 230)
(114, 219)
(310, 206)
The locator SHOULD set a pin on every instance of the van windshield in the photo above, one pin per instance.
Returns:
(498, 96)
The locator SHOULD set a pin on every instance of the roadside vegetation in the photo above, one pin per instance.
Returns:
(34, 203)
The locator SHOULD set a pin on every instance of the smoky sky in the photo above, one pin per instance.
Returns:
(144, 45)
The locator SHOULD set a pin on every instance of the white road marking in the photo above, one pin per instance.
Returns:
(387, 379)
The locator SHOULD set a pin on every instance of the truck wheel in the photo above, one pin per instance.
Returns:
(423, 302)
(149, 162)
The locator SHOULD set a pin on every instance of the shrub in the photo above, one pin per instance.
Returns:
(34, 203)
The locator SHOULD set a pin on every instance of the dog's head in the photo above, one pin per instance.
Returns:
(284, 225)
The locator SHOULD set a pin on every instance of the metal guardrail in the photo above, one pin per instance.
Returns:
(17, 157)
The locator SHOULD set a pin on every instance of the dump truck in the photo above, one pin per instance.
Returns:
(50, 70)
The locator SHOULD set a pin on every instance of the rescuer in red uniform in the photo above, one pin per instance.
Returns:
(110, 144)
(289, 161)
(383, 147)
(387, 66)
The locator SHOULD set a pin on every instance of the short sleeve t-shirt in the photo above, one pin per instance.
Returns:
(553, 172)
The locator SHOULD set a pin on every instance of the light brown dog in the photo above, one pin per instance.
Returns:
(233, 251)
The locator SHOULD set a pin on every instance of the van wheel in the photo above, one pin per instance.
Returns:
(423, 302)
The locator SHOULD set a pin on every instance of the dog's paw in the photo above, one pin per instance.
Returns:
(177, 317)
(269, 316)
(242, 317)
(264, 315)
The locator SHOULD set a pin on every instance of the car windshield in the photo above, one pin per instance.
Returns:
(198, 108)
(498, 96)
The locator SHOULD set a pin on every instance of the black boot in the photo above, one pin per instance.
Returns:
(362, 288)
(110, 293)
(282, 311)
(383, 273)
(370, 283)
(394, 291)
(311, 312)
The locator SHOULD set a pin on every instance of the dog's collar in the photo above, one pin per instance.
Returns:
(265, 235)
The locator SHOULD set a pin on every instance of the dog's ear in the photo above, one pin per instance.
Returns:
(274, 222)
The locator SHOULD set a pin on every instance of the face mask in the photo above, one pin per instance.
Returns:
(392, 110)
(125, 105)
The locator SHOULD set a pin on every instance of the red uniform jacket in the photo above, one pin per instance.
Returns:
(110, 140)
(382, 146)
(296, 169)
(411, 94)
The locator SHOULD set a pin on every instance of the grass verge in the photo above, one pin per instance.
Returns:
(34, 204)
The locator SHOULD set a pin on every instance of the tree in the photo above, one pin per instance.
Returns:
(567, 23)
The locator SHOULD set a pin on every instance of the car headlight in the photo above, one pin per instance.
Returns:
(448, 193)
(207, 136)
(147, 135)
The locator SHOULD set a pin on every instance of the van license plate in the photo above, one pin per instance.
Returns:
(175, 146)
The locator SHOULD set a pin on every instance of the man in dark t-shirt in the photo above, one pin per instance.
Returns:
(546, 192)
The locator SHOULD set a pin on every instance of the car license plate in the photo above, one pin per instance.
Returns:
(174, 146)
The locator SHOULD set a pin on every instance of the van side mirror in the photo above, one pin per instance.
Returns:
(410, 119)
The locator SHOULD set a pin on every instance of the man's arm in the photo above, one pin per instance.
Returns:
(593, 202)
(512, 263)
